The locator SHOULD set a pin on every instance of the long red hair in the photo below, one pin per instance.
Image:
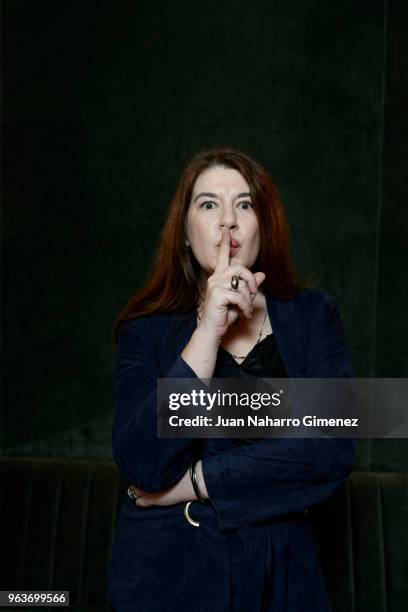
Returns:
(174, 282)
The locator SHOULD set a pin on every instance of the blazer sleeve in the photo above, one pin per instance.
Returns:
(145, 460)
(276, 476)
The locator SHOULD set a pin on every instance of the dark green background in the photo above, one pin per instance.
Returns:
(103, 102)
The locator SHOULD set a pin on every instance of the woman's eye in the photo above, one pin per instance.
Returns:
(246, 205)
(204, 204)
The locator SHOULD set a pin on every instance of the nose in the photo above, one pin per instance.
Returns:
(230, 226)
(228, 220)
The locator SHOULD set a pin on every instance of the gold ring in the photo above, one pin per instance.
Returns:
(187, 515)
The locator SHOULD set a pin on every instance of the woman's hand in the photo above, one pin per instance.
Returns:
(222, 303)
(182, 491)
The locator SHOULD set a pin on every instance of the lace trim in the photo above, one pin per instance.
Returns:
(263, 360)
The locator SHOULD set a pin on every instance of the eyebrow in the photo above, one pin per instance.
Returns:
(214, 195)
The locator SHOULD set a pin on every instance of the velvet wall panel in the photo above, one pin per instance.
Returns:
(101, 109)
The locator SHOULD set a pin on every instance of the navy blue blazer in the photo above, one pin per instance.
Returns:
(244, 556)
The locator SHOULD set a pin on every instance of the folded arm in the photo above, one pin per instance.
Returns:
(145, 460)
(273, 477)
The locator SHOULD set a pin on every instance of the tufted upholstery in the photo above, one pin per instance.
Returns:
(362, 531)
(57, 522)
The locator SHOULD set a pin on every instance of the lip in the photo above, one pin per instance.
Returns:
(234, 244)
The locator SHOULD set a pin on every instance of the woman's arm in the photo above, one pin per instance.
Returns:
(278, 476)
(149, 462)
(275, 477)
(201, 353)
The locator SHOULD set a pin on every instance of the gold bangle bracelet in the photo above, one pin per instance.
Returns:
(187, 515)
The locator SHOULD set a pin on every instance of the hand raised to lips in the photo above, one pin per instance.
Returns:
(222, 304)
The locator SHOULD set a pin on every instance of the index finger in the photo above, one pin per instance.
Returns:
(223, 260)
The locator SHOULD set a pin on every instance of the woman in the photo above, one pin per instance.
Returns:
(223, 301)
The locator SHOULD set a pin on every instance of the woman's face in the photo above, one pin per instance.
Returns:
(221, 198)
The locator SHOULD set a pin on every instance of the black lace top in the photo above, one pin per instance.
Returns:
(263, 361)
